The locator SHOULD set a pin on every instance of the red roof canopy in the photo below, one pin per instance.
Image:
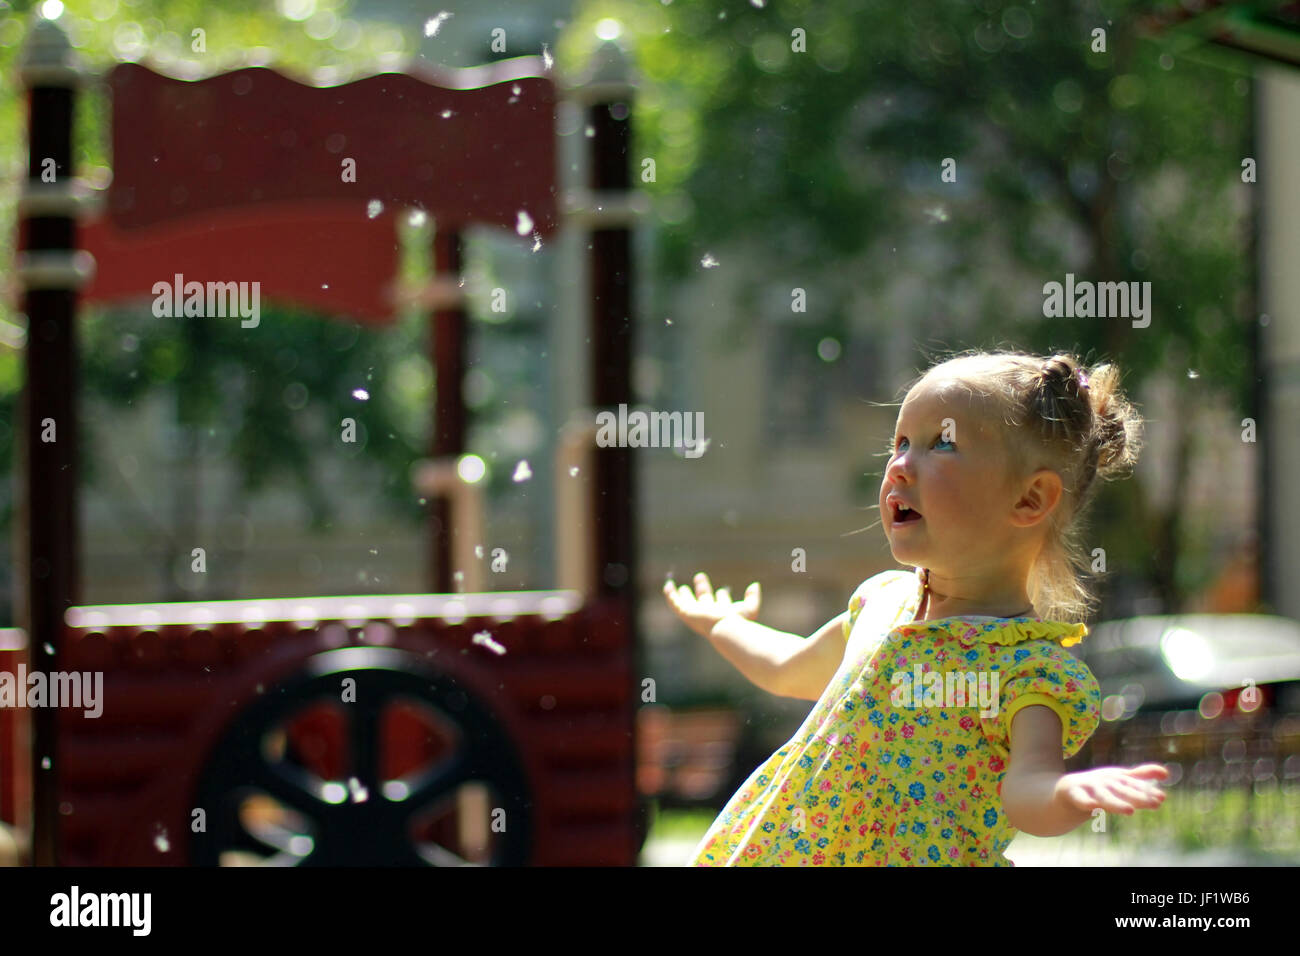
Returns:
(239, 177)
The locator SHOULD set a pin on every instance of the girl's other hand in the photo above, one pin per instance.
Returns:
(703, 609)
(1115, 789)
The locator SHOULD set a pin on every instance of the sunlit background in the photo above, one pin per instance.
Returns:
(773, 170)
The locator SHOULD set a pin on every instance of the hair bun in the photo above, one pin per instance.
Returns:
(1063, 375)
(1117, 426)
(1058, 367)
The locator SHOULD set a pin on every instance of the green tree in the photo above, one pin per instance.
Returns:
(1115, 163)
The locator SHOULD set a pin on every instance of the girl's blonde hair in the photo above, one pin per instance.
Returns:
(1060, 415)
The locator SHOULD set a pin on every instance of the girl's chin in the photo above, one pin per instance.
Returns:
(902, 534)
(905, 550)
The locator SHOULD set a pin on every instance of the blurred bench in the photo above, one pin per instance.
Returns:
(686, 757)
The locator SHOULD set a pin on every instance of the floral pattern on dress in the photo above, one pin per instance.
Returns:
(875, 779)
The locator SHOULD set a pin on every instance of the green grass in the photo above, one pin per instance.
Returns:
(1188, 822)
(679, 824)
(1267, 822)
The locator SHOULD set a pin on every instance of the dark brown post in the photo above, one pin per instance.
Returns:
(448, 343)
(50, 272)
(607, 96)
(610, 211)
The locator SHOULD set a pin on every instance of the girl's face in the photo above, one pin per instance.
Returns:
(950, 467)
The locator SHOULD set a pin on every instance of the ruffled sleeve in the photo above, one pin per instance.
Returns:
(855, 608)
(871, 590)
(1009, 631)
(1046, 675)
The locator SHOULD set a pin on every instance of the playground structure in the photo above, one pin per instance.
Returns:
(367, 729)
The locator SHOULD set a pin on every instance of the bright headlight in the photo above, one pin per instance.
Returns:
(1187, 653)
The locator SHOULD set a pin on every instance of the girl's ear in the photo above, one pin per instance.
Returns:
(1037, 499)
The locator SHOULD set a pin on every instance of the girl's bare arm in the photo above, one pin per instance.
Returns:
(757, 651)
(811, 663)
(780, 663)
(1041, 799)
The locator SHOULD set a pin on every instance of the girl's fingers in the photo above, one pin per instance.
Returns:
(1145, 787)
(1115, 803)
(1138, 796)
(748, 606)
(1120, 790)
(723, 596)
(1100, 797)
(703, 589)
(1149, 771)
(677, 597)
(1130, 797)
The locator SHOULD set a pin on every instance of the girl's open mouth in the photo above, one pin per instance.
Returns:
(903, 514)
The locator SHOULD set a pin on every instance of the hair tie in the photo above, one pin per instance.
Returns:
(1047, 372)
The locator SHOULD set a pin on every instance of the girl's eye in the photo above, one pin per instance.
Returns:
(938, 441)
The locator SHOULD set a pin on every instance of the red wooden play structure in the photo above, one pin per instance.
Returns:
(367, 729)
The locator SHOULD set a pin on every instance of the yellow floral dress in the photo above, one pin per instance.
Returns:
(886, 771)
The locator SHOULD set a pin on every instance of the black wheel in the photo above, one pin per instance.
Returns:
(265, 805)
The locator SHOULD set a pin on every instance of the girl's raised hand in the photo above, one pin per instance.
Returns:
(1115, 789)
(703, 609)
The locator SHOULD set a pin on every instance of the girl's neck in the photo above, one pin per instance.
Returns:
(936, 605)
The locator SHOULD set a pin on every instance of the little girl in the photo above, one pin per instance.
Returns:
(945, 703)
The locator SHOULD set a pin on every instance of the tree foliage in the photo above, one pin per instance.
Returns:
(1100, 154)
